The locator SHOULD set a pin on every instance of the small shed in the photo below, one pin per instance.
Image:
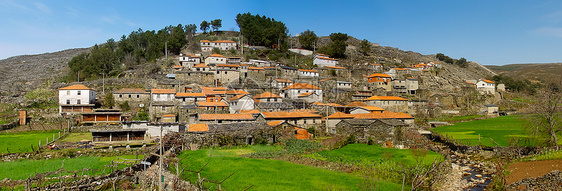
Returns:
(118, 135)
(491, 109)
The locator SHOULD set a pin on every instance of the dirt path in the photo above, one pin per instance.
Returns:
(521, 170)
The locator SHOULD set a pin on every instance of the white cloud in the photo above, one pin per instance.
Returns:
(549, 31)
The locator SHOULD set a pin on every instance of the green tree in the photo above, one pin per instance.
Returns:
(204, 26)
(108, 100)
(462, 62)
(547, 120)
(261, 30)
(337, 46)
(365, 47)
(190, 29)
(216, 24)
(308, 39)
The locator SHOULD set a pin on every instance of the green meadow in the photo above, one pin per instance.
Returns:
(25, 168)
(22, 142)
(268, 174)
(368, 154)
(497, 131)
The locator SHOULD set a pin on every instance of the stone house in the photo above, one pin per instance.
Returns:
(160, 108)
(190, 98)
(226, 76)
(288, 72)
(215, 59)
(212, 106)
(335, 118)
(201, 68)
(290, 131)
(491, 109)
(189, 60)
(162, 95)
(307, 73)
(295, 118)
(344, 85)
(298, 89)
(281, 83)
(376, 130)
(392, 103)
(76, 99)
(208, 46)
(234, 60)
(255, 73)
(406, 86)
(378, 80)
(131, 95)
(268, 97)
(225, 118)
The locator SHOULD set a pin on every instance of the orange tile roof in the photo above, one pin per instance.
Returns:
(401, 69)
(356, 104)
(257, 101)
(198, 127)
(224, 41)
(324, 58)
(211, 104)
(176, 66)
(216, 55)
(303, 70)
(340, 115)
(190, 95)
(163, 91)
(252, 111)
(322, 80)
(169, 115)
(372, 108)
(488, 81)
(228, 65)
(285, 114)
(468, 82)
(306, 94)
(305, 110)
(275, 123)
(386, 98)
(236, 116)
(266, 95)
(320, 54)
(236, 92)
(335, 67)
(255, 68)
(76, 87)
(205, 41)
(379, 75)
(200, 66)
(283, 80)
(130, 90)
(237, 97)
(319, 104)
(243, 64)
(302, 86)
(333, 104)
(383, 115)
(376, 64)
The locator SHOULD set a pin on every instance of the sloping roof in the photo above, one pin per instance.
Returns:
(200, 66)
(306, 94)
(190, 95)
(401, 68)
(266, 95)
(356, 104)
(340, 115)
(326, 58)
(283, 80)
(252, 111)
(210, 104)
(383, 115)
(284, 115)
(76, 87)
(386, 98)
(236, 92)
(379, 75)
(372, 108)
(169, 115)
(255, 68)
(205, 41)
(176, 66)
(224, 41)
(275, 123)
(488, 81)
(235, 116)
(237, 97)
(216, 55)
(163, 91)
(198, 127)
(303, 70)
(302, 86)
(131, 90)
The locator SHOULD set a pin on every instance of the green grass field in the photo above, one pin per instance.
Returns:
(487, 132)
(23, 169)
(368, 154)
(76, 137)
(21, 142)
(265, 174)
(451, 118)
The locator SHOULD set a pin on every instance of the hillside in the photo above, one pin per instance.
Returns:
(530, 71)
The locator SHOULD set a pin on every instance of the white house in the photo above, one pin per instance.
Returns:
(76, 99)
(308, 73)
(260, 63)
(201, 68)
(189, 60)
(343, 85)
(241, 102)
(486, 87)
(208, 46)
(301, 89)
(407, 86)
(162, 95)
(215, 59)
(190, 98)
(268, 97)
(281, 83)
(323, 60)
(366, 109)
(393, 103)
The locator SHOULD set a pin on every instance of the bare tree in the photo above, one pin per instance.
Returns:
(546, 121)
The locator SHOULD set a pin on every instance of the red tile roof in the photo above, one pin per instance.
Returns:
(379, 75)
(275, 123)
(372, 108)
(198, 127)
(236, 116)
(224, 41)
(340, 115)
(255, 68)
(284, 115)
(252, 111)
(237, 97)
(302, 86)
(283, 80)
(200, 66)
(383, 115)
(488, 81)
(266, 95)
(228, 65)
(335, 67)
(76, 87)
(303, 70)
(211, 104)
(163, 91)
(169, 115)
(216, 55)
(356, 104)
(190, 95)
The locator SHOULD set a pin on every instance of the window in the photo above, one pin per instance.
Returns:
(138, 96)
(68, 101)
(129, 95)
(78, 101)
(78, 93)
(120, 95)
(163, 108)
(67, 92)
(157, 95)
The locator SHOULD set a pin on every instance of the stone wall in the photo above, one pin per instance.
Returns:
(9, 125)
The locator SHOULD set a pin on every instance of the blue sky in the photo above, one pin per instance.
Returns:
(488, 32)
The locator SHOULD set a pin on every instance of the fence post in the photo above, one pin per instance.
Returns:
(59, 134)
(39, 143)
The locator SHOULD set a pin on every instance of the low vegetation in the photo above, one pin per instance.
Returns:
(26, 141)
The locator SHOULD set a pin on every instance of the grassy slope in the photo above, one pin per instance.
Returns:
(500, 129)
(268, 174)
(372, 153)
(25, 168)
(21, 142)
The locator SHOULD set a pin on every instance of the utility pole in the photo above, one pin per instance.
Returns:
(161, 181)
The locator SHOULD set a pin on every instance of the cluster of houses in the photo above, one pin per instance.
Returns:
(293, 102)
